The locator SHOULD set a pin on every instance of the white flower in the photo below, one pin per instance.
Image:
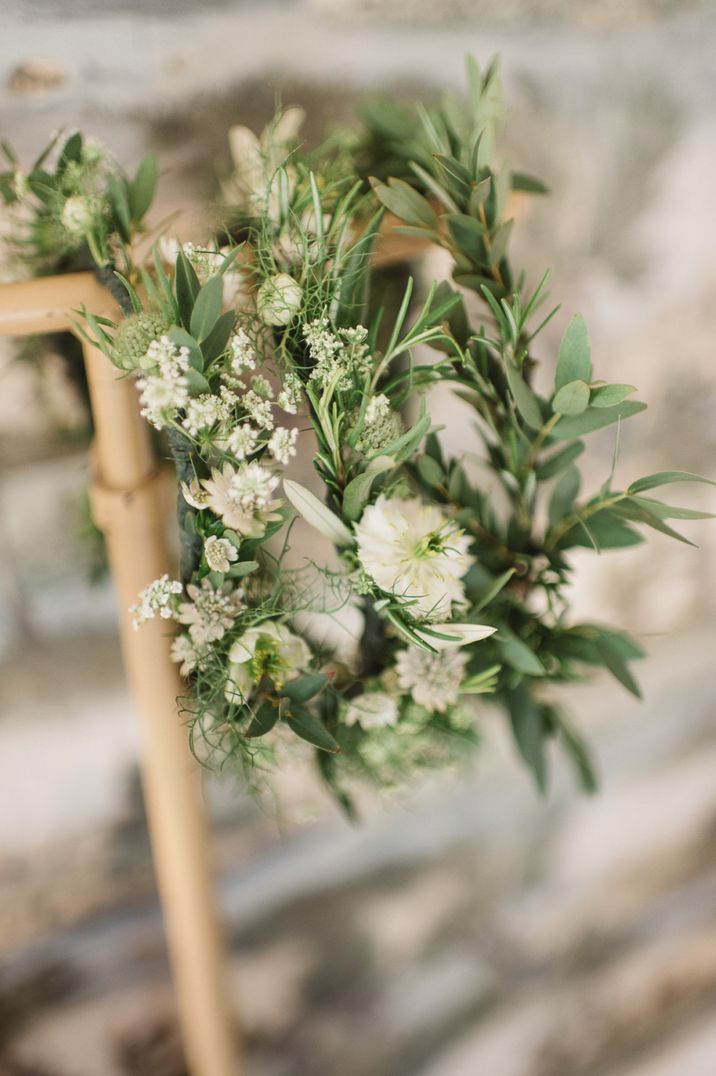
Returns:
(186, 654)
(279, 299)
(242, 497)
(372, 710)
(259, 409)
(194, 495)
(272, 650)
(165, 358)
(243, 352)
(242, 441)
(289, 397)
(433, 680)
(77, 215)
(338, 356)
(210, 613)
(220, 553)
(161, 398)
(159, 597)
(282, 444)
(203, 412)
(414, 552)
(253, 186)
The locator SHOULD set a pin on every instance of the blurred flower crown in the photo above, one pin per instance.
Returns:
(281, 339)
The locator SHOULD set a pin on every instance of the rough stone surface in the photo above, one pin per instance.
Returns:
(468, 928)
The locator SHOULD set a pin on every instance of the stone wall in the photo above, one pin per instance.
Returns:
(472, 928)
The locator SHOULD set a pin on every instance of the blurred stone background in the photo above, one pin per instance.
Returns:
(469, 928)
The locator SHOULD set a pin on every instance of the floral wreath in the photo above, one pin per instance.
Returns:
(273, 338)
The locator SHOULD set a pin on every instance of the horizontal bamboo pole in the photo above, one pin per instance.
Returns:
(127, 507)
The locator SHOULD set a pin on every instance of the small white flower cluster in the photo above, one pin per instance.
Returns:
(381, 425)
(241, 497)
(282, 444)
(159, 598)
(209, 613)
(164, 390)
(340, 357)
(242, 352)
(433, 680)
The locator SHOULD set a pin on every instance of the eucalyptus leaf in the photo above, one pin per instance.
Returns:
(574, 360)
(667, 478)
(525, 400)
(263, 720)
(310, 728)
(609, 395)
(207, 308)
(304, 687)
(594, 418)
(572, 398)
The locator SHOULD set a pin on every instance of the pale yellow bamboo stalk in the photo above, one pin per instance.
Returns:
(126, 504)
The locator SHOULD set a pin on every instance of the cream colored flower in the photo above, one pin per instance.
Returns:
(279, 299)
(220, 553)
(241, 496)
(271, 650)
(415, 553)
(433, 680)
(372, 710)
(209, 613)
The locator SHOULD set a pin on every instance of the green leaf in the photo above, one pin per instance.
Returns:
(181, 338)
(616, 665)
(430, 471)
(529, 730)
(564, 495)
(468, 235)
(207, 308)
(405, 202)
(304, 688)
(594, 418)
(578, 751)
(517, 654)
(142, 187)
(263, 720)
(187, 287)
(242, 568)
(637, 513)
(404, 446)
(671, 511)
(557, 462)
(574, 362)
(609, 395)
(118, 200)
(521, 181)
(492, 591)
(603, 531)
(666, 478)
(198, 384)
(311, 728)
(525, 400)
(215, 343)
(357, 492)
(572, 398)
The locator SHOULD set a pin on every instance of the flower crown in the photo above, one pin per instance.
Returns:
(277, 342)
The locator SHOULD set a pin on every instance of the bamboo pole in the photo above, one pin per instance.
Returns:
(126, 505)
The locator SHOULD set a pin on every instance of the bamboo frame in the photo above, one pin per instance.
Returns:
(126, 505)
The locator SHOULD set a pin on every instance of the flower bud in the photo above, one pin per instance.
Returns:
(77, 215)
(279, 299)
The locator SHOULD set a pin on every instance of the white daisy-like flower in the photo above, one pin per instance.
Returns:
(220, 553)
(371, 710)
(433, 680)
(209, 613)
(272, 650)
(415, 553)
(242, 441)
(282, 444)
(242, 497)
(185, 654)
(159, 598)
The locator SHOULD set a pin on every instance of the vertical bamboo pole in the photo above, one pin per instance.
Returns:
(127, 507)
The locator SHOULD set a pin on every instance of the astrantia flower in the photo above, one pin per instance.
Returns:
(187, 656)
(372, 710)
(209, 613)
(279, 299)
(271, 650)
(414, 552)
(433, 680)
(242, 497)
(194, 495)
(157, 599)
(220, 553)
